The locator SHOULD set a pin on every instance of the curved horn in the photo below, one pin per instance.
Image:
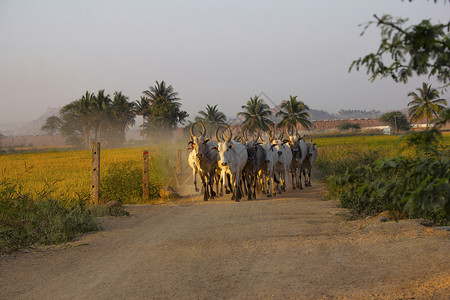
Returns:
(270, 134)
(192, 130)
(204, 129)
(281, 134)
(245, 136)
(258, 135)
(217, 134)
(229, 130)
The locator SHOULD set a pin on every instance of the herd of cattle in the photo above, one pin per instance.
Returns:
(244, 165)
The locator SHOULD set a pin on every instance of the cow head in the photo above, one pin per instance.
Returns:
(199, 143)
(279, 146)
(225, 144)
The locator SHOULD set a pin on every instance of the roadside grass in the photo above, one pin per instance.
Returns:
(25, 222)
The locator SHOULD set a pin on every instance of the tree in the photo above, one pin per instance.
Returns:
(211, 117)
(52, 125)
(425, 104)
(141, 108)
(94, 117)
(256, 113)
(101, 113)
(293, 112)
(395, 119)
(421, 48)
(163, 113)
(76, 121)
(349, 126)
(124, 114)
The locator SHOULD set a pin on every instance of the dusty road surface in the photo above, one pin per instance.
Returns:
(293, 246)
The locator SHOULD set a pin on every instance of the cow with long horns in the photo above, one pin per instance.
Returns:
(233, 156)
(267, 171)
(284, 160)
(206, 157)
(255, 163)
(311, 156)
(299, 151)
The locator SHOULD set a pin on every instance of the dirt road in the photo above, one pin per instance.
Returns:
(292, 246)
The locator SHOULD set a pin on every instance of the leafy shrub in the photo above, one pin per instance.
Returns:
(368, 183)
(24, 222)
(396, 119)
(122, 181)
(418, 186)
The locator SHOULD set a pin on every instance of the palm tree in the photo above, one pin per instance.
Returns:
(102, 116)
(163, 111)
(76, 119)
(161, 91)
(142, 108)
(211, 117)
(123, 117)
(256, 114)
(123, 111)
(425, 104)
(293, 112)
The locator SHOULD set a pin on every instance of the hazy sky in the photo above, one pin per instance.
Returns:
(211, 52)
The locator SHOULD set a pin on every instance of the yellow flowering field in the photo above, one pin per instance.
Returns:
(68, 173)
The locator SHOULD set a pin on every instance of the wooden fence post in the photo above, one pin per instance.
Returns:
(178, 162)
(145, 177)
(95, 190)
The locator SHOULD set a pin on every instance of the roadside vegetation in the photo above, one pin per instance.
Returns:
(44, 197)
(410, 175)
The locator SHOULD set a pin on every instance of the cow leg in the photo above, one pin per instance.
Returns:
(212, 193)
(221, 188)
(254, 178)
(304, 178)
(309, 177)
(249, 187)
(228, 187)
(276, 178)
(205, 189)
(194, 174)
(270, 186)
(237, 187)
(283, 180)
(293, 171)
(244, 183)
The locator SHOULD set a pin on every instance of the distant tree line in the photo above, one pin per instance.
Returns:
(100, 117)
(355, 114)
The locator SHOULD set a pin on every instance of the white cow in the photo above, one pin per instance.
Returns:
(192, 163)
(283, 164)
(267, 171)
(205, 160)
(234, 156)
